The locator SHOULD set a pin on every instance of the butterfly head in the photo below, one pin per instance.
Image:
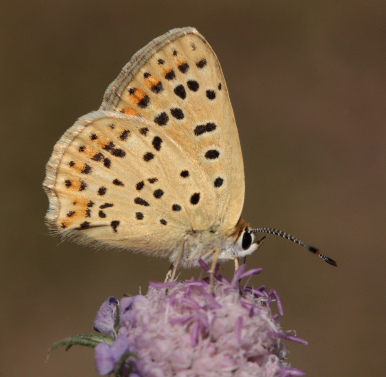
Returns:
(241, 242)
(246, 243)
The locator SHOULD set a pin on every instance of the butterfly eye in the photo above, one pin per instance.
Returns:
(247, 240)
(246, 244)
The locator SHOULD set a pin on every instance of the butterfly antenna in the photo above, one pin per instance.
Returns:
(288, 236)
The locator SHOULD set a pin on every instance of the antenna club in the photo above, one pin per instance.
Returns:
(328, 260)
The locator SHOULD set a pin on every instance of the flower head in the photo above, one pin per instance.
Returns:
(181, 329)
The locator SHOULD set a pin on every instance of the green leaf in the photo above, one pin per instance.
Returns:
(88, 340)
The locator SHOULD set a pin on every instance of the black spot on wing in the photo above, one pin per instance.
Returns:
(161, 119)
(124, 135)
(106, 205)
(177, 113)
(114, 224)
(148, 156)
(141, 202)
(107, 162)
(140, 185)
(144, 102)
(86, 169)
(157, 88)
(117, 152)
(97, 157)
(202, 63)
(203, 128)
(84, 225)
(212, 154)
(218, 182)
(184, 67)
(170, 75)
(193, 85)
(180, 91)
(211, 94)
(143, 131)
(158, 193)
(195, 198)
(157, 142)
(117, 182)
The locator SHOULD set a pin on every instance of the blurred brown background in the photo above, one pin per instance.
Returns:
(307, 81)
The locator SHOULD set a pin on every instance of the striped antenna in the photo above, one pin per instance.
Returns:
(288, 236)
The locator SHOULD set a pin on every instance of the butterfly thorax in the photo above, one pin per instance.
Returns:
(200, 243)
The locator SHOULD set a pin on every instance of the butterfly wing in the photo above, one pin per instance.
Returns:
(113, 178)
(176, 82)
(160, 158)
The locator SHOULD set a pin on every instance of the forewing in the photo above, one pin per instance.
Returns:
(177, 83)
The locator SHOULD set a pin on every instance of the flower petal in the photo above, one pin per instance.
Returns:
(105, 318)
(104, 359)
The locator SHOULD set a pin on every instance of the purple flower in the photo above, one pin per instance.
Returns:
(181, 329)
(107, 357)
(105, 319)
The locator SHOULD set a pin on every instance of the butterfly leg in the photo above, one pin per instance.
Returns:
(213, 268)
(173, 267)
(176, 263)
(237, 264)
(169, 273)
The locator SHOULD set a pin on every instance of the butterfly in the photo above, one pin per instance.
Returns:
(158, 169)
